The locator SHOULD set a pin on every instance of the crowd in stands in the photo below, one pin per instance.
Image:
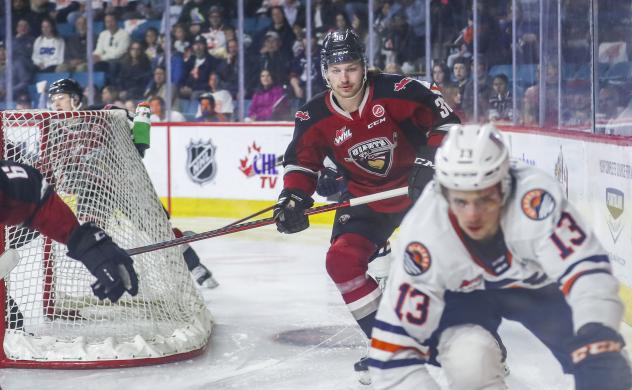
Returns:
(129, 55)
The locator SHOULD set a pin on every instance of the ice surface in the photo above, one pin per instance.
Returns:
(280, 325)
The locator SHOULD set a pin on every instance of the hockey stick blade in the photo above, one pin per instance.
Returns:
(8, 260)
(267, 221)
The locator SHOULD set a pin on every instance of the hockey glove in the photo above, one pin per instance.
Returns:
(289, 212)
(329, 182)
(596, 353)
(421, 173)
(112, 267)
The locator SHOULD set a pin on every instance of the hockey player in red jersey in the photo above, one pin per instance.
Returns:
(26, 199)
(381, 131)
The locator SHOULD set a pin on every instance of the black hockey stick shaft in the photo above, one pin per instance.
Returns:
(234, 228)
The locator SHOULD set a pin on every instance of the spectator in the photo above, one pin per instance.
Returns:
(177, 65)
(461, 72)
(341, 21)
(215, 37)
(206, 111)
(48, 49)
(158, 87)
(112, 44)
(282, 28)
(500, 101)
(223, 99)
(152, 46)
(181, 41)
(23, 44)
(273, 59)
(531, 100)
(21, 10)
(228, 68)
(75, 52)
(23, 102)
(194, 12)
(134, 72)
(175, 11)
(294, 12)
(609, 107)
(299, 74)
(159, 114)
(21, 75)
(109, 94)
(197, 69)
(441, 75)
(323, 15)
(393, 68)
(484, 90)
(268, 99)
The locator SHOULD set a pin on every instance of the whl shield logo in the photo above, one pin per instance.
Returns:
(342, 135)
(615, 204)
(256, 163)
(201, 165)
(374, 156)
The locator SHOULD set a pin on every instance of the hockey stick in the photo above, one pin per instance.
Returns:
(267, 221)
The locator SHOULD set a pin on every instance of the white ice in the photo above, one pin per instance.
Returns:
(280, 324)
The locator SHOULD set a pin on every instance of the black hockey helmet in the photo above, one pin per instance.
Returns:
(341, 46)
(68, 86)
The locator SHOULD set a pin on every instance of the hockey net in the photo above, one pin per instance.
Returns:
(52, 319)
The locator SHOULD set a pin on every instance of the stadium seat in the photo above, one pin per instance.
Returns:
(82, 78)
(51, 77)
(66, 30)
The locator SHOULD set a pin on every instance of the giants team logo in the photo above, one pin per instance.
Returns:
(402, 84)
(416, 259)
(537, 204)
(302, 115)
(374, 156)
(561, 171)
(378, 110)
(201, 165)
(615, 204)
(342, 135)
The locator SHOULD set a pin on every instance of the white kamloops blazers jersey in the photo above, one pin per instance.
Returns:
(546, 240)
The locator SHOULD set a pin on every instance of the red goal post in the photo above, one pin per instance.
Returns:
(51, 318)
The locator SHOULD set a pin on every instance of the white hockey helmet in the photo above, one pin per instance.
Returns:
(472, 157)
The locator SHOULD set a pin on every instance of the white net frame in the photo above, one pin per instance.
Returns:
(90, 159)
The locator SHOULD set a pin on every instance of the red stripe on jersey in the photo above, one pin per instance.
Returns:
(55, 219)
(300, 181)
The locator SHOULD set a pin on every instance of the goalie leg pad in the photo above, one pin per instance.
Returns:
(471, 359)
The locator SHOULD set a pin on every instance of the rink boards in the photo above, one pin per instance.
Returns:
(230, 170)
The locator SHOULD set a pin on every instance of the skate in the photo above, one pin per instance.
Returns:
(204, 277)
(361, 367)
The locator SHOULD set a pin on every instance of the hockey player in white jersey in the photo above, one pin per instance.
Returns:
(489, 240)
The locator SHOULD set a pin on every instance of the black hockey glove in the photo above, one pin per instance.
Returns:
(112, 267)
(596, 352)
(289, 212)
(329, 182)
(422, 172)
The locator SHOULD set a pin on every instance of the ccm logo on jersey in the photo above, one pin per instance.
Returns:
(375, 123)
(537, 204)
(402, 83)
(416, 259)
(342, 135)
(302, 115)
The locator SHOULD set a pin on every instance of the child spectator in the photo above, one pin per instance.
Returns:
(500, 101)
(206, 112)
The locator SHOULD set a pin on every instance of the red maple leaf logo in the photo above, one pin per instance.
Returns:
(402, 84)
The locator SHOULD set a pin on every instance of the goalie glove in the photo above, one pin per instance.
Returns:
(596, 353)
(422, 172)
(289, 212)
(110, 264)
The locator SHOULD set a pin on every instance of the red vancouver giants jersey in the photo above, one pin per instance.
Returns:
(374, 147)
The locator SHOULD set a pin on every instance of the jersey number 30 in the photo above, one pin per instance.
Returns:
(420, 302)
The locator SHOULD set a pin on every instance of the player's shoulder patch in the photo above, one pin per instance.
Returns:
(537, 204)
(312, 112)
(302, 115)
(417, 259)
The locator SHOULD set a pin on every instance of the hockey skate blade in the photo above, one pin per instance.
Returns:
(8, 260)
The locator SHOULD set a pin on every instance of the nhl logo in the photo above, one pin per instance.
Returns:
(201, 165)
